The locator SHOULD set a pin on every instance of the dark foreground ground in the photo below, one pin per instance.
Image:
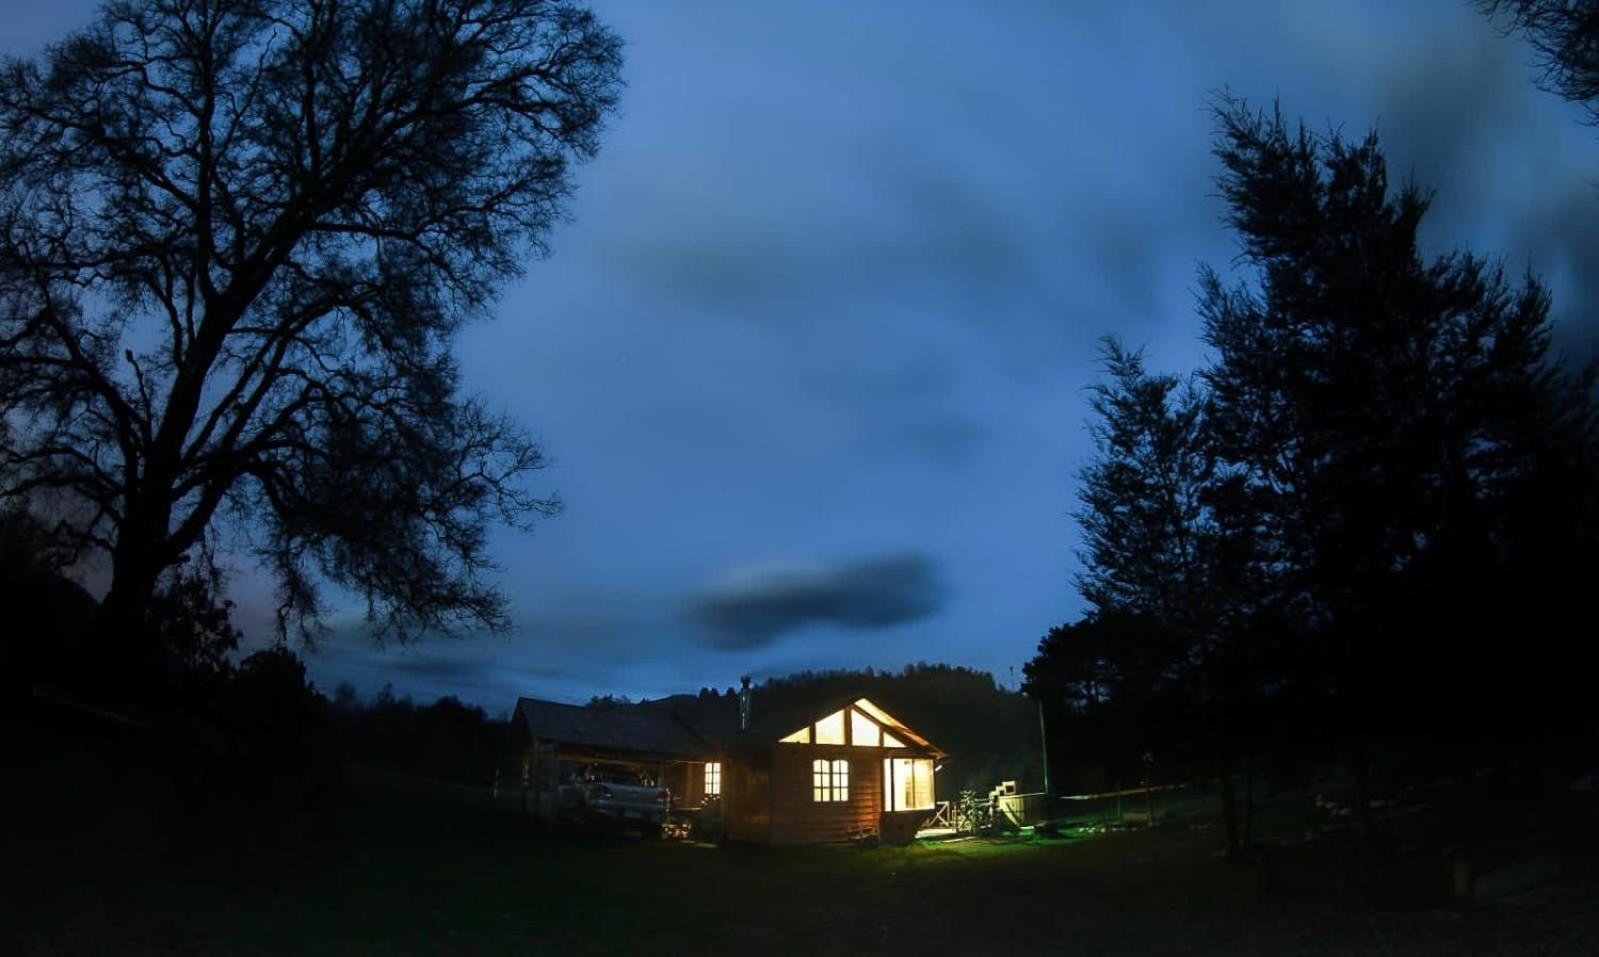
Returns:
(393, 870)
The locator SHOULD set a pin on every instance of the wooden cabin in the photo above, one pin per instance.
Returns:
(840, 771)
(835, 771)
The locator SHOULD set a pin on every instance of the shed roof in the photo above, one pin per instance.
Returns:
(621, 729)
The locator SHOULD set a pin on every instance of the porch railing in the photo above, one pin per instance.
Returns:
(943, 816)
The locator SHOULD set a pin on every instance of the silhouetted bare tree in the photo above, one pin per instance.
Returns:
(1566, 35)
(236, 240)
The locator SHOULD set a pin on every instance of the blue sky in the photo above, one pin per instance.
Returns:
(810, 356)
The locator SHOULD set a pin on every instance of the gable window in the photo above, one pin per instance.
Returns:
(829, 780)
(713, 779)
(830, 730)
(861, 724)
(863, 731)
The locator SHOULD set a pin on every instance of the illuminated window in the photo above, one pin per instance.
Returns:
(829, 780)
(907, 784)
(873, 710)
(889, 741)
(863, 733)
(830, 730)
(713, 778)
(802, 736)
(888, 721)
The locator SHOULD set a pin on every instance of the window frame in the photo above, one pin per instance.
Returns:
(830, 781)
(908, 784)
(832, 729)
(712, 780)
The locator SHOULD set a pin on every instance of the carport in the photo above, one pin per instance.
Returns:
(547, 735)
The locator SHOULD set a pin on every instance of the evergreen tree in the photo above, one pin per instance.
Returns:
(1165, 546)
(1393, 423)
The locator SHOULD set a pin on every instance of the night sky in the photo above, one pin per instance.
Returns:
(811, 356)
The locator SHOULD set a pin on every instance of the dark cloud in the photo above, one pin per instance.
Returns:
(948, 440)
(564, 650)
(1462, 118)
(1560, 241)
(755, 607)
(1442, 112)
(715, 251)
(435, 669)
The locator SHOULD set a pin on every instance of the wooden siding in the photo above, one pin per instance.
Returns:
(798, 819)
(746, 802)
(540, 770)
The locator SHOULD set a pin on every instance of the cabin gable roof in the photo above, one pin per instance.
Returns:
(717, 721)
(889, 723)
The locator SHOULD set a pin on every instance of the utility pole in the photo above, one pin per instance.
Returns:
(1043, 743)
(1149, 783)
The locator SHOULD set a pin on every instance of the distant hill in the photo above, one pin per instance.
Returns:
(50, 616)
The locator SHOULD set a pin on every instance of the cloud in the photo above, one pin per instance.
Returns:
(1560, 242)
(567, 643)
(754, 607)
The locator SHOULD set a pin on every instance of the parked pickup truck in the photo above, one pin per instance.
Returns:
(616, 795)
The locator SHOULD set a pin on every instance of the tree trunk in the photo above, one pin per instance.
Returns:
(1249, 796)
(131, 667)
(1229, 804)
(1362, 771)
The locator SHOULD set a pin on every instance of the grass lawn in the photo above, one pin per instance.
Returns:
(388, 872)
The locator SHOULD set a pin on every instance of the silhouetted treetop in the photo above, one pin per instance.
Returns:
(1380, 405)
(236, 239)
(1146, 524)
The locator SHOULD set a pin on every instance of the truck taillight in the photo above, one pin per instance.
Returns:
(664, 795)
